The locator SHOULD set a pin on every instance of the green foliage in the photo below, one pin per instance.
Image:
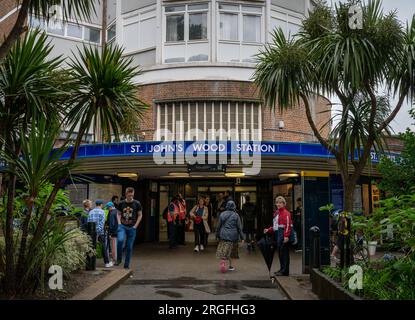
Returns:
(399, 212)
(74, 251)
(394, 279)
(398, 176)
(105, 93)
(382, 280)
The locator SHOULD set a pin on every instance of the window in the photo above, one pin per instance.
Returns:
(186, 33)
(241, 29)
(250, 17)
(74, 31)
(198, 26)
(37, 22)
(111, 32)
(140, 30)
(70, 29)
(290, 23)
(92, 34)
(252, 28)
(242, 117)
(56, 28)
(229, 26)
(175, 27)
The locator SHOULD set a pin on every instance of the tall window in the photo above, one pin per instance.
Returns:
(175, 27)
(289, 22)
(250, 18)
(214, 119)
(186, 33)
(240, 31)
(139, 29)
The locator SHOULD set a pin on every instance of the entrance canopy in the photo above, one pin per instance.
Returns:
(155, 159)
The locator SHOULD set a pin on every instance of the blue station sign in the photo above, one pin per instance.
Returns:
(150, 148)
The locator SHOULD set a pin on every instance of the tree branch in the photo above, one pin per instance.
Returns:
(17, 29)
(373, 109)
(314, 128)
(393, 114)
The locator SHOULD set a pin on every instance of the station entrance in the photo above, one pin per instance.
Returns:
(191, 191)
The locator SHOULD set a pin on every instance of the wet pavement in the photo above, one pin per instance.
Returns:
(160, 274)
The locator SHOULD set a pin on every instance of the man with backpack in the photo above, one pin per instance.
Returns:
(248, 217)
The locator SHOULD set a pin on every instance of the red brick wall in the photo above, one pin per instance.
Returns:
(296, 128)
(5, 26)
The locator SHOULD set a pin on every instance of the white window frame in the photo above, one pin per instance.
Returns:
(137, 16)
(284, 15)
(241, 13)
(65, 30)
(114, 23)
(186, 41)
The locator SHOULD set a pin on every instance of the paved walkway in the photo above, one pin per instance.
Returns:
(160, 273)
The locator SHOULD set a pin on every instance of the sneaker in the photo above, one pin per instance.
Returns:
(118, 262)
(231, 268)
(202, 247)
(196, 249)
(222, 266)
(108, 265)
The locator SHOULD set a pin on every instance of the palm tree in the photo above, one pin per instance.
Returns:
(80, 8)
(328, 58)
(29, 86)
(36, 166)
(103, 92)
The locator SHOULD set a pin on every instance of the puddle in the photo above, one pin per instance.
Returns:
(216, 290)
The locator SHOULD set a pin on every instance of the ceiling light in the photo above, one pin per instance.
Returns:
(127, 175)
(235, 174)
(287, 175)
(179, 174)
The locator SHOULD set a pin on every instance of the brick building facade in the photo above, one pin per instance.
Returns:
(296, 126)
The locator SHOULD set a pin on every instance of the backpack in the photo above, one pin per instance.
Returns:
(343, 225)
(165, 211)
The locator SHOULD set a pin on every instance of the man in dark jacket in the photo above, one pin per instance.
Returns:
(112, 223)
(248, 215)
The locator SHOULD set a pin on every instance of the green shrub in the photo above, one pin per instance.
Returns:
(72, 255)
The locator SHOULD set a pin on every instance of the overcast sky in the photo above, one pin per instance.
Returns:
(405, 10)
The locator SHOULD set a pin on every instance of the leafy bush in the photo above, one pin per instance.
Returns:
(72, 255)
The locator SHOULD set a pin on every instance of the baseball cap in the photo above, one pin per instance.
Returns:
(99, 201)
(109, 204)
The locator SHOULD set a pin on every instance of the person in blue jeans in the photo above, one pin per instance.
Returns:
(97, 215)
(129, 217)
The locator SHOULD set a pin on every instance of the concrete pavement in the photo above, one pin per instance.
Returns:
(161, 273)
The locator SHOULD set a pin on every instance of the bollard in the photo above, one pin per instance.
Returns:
(315, 259)
(91, 260)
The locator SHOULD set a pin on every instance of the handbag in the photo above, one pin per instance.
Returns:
(293, 239)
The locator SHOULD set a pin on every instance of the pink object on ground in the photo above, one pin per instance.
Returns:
(222, 266)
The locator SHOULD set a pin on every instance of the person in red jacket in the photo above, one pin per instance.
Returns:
(282, 226)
